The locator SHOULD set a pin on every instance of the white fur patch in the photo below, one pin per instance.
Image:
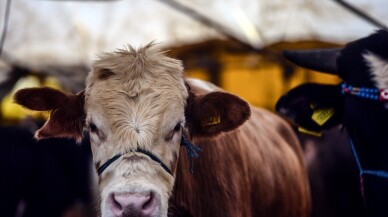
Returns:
(202, 84)
(379, 69)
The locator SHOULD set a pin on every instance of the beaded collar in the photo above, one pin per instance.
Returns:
(370, 93)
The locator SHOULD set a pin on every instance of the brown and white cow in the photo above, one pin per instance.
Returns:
(139, 109)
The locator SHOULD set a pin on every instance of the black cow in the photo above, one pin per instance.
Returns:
(43, 178)
(359, 103)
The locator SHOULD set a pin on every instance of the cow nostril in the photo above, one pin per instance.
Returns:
(115, 206)
(150, 203)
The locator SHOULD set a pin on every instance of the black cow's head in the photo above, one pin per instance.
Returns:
(360, 64)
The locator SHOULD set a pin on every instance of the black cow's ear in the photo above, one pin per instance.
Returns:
(67, 115)
(313, 107)
(215, 112)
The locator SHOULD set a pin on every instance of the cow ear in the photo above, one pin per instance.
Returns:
(67, 115)
(313, 107)
(215, 112)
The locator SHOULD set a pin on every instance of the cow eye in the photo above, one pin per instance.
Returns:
(176, 129)
(93, 128)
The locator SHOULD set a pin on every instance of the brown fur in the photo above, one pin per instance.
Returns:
(256, 170)
(104, 74)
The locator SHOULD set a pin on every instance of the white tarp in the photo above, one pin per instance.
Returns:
(71, 32)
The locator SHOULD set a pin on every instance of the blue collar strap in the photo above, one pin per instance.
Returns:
(191, 150)
(379, 173)
(373, 93)
(362, 172)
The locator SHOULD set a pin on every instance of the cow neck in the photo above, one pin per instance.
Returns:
(371, 93)
(380, 173)
(364, 172)
(191, 150)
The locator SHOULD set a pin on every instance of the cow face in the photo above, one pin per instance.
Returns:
(137, 108)
(361, 64)
(134, 104)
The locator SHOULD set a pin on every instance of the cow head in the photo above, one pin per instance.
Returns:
(137, 108)
(361, 64)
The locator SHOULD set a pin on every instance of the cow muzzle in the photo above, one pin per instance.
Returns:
(136, 188)
(141, 204)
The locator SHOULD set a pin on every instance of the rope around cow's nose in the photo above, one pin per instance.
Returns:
(191, 150)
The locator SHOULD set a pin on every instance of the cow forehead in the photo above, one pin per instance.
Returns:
(136, 69)
(134, 73)
(144, 108)
(364, 62)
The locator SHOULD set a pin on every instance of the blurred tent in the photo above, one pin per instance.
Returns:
(72, 32)
(61, 38)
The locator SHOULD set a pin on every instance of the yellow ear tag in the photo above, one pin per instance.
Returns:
(321, 116)
(306, 131)
(213, 120)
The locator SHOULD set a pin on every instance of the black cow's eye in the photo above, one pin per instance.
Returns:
(177, 127)
(92, 127)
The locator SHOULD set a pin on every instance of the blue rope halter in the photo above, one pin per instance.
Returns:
(374, 94)
(370, 93)
(191, 150)
(379, 173)
(362, 172)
